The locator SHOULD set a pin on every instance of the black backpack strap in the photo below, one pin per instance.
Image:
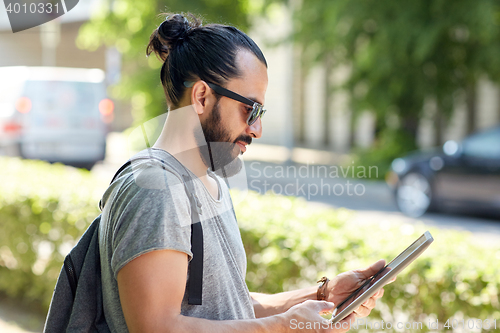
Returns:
(195, 283)
(114, 177)
(120, 170)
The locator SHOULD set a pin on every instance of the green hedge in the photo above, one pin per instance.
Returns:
(44, 208)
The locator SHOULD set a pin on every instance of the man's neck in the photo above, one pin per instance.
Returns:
(178, 139)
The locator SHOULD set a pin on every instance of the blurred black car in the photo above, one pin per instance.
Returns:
(458, 177)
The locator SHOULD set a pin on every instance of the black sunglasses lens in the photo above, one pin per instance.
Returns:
(256, 112)
(252, 117)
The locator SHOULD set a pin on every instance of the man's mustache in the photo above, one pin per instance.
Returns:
(244, 138)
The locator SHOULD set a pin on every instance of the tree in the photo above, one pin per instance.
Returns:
(403, 53)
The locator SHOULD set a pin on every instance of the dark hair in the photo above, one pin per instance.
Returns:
(192, 51)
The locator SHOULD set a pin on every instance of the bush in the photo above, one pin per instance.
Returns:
(45, 208)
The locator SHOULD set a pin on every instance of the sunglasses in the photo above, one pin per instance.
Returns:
(257, 109)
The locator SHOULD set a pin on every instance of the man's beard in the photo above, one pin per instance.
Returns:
(219, 153)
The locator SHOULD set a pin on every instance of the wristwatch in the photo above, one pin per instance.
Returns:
(321, 294)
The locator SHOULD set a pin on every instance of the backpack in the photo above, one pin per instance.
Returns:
(77, 302)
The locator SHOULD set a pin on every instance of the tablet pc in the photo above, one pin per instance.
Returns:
(381, 278)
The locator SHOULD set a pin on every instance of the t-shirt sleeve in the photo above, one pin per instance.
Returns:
(154, 214)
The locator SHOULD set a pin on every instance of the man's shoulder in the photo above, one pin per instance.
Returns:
(155, 169)
(158, 158)
(151, 175)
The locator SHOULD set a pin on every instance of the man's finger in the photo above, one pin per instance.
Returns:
(378, 294)
(363, 311)
(323, 306)
(372, 269)
(370, 303)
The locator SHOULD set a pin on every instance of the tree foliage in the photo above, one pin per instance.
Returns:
(402, 54)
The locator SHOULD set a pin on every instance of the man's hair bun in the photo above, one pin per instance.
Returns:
(174, 29)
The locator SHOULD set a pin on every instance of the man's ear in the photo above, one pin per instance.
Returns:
(199, 96)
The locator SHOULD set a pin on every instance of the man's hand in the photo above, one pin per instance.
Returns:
(305, 317)
(340, 287)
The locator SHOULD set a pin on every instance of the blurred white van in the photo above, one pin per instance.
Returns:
(55, 114)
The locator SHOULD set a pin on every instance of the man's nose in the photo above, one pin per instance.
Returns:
(255, 130)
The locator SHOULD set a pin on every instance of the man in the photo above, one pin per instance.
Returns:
(215, 79)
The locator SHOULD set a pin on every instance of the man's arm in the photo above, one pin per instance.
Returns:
(151, 289)
(266, 305)
(337, 290)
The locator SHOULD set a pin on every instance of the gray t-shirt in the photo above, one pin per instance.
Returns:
(141, 214)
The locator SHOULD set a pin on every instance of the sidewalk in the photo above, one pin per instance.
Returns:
(16, 319)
